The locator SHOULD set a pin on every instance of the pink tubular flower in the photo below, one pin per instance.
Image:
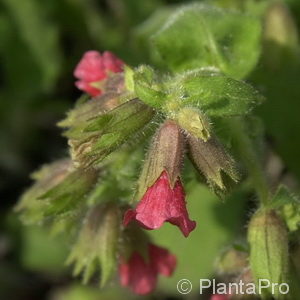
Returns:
(141, 275)
(94, 68)
(162, 203)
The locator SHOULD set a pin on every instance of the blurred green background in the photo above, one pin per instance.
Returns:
(41, 41)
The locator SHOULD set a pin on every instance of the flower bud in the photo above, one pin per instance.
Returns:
(267, 236)
(211, 159)
(194, 122)
(97, 243)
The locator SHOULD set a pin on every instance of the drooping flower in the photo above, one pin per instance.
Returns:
(159, 189)
(93, 68)
(140, 273)
(162, 203)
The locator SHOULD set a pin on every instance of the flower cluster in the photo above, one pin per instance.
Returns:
(160, 192)
(111, 235)
(201, 92)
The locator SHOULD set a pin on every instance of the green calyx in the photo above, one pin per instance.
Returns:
(268, 239)
(97, 244)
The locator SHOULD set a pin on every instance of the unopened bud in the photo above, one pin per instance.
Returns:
(267, 236)
(194, 122)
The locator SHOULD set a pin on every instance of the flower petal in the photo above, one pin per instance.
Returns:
(111, 62)
(93, 68)
(86, 87)
(138, 275)
(90, 68)
(162, 204)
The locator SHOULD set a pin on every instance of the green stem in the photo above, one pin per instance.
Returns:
(248, 156)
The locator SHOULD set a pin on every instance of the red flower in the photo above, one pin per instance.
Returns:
(219, 297)
(162, 203)
(94, 68)
(141, 275)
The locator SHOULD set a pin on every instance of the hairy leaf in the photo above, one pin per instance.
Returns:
(94, 139)
(200, 36)
(214, 93)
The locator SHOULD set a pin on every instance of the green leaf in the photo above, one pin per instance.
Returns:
(215, 94)
(199, 36)
(282, 197)
(148, 87)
